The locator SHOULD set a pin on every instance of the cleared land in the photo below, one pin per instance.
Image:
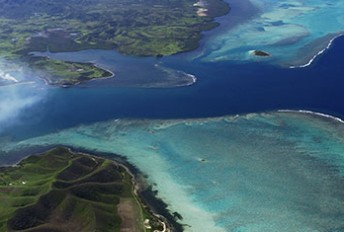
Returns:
(148, 28)
(135, 27)
(64, 191)
(56, 72)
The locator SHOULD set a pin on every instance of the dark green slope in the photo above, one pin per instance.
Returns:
(64, 191)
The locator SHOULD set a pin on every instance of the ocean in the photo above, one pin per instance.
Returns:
(222, 88)
(210, 135)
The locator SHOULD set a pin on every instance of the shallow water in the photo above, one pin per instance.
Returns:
(128, 70)
(291, 31)
(256, 172)
(223, 88)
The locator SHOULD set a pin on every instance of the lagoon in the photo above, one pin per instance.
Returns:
(277, 171)
(268, 170)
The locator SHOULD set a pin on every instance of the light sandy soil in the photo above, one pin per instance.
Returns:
(130, 215)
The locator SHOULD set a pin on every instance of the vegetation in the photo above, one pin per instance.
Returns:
(135, 27)
(64, 73)
(64, 191)
(138, 27)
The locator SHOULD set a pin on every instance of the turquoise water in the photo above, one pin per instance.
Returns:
(254, 172)
(257, 172)
(292, 31)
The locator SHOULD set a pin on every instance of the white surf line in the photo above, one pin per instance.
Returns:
(7, 77)
(193, 78)
(318, 54)
(313, 113)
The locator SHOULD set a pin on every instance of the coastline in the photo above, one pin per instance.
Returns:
(117, 68)
(239, 12)
(112, 75)
(143, 191)
(152, 194)
(145, 196)
(64, 85)
(161, 126)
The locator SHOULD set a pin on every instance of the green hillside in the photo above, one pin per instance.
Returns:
(64, 191)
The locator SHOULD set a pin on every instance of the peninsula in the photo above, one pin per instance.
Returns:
(133, 27)
(60, 190)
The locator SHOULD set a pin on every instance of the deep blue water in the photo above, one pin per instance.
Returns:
(269, 152)
(223, 88)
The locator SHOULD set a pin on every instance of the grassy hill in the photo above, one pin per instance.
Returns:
(148, 28)
(134, 27)
(64, 191)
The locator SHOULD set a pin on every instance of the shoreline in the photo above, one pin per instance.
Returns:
(239, 12)
(142, 190)
(138, 187)
(47, 82)
(185, 79)
(150, 197)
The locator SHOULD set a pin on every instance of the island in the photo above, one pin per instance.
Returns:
(260, 53)
(61, 190)
(133, 27)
